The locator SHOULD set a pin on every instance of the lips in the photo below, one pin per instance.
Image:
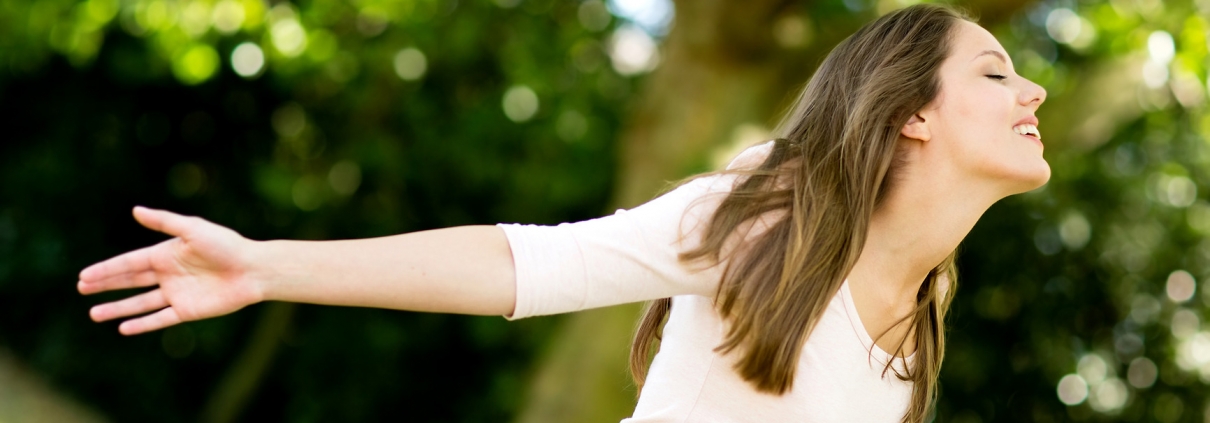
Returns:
(1028, 126)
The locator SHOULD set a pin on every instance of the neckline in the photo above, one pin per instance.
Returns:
(866, 340)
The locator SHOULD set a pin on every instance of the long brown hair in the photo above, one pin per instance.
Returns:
(831, 167)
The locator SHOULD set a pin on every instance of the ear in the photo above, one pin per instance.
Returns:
(916, 128)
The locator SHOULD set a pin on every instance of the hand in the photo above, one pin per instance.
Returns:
(205, 271)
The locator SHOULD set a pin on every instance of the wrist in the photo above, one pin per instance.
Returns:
(262, 279)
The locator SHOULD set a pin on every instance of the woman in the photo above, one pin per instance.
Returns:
(807, 281)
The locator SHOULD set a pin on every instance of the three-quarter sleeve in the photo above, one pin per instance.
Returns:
(629, 256)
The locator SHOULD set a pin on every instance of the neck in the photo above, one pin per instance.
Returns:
(918, 225)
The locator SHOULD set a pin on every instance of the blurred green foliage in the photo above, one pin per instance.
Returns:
(338, 134)
(322, 119)
(1091, 290)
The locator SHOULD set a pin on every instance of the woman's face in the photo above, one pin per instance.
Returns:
(971, 123)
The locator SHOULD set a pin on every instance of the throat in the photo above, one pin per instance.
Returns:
(889, 324)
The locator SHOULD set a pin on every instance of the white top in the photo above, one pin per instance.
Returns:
(631, 256)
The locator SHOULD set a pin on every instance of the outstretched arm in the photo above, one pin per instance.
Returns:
(208, 270)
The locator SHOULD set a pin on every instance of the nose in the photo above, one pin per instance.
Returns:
(1031, 93)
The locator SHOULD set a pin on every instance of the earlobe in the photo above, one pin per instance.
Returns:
(916, 128)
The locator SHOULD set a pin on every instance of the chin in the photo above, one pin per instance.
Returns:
(1034, 178)
(1013, 174)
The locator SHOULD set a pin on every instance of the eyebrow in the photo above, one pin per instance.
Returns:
(993, 53)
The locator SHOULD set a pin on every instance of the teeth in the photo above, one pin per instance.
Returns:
(1027, 129)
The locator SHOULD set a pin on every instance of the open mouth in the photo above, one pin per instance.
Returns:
(1028, 130)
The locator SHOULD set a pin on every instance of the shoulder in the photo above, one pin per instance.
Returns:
(752, 156)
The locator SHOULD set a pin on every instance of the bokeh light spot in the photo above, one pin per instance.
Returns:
(289, 37)
(1109, 395)
(154, 15)
(1185, 323)
(1180, 191)
(247, 59)
(1187, 85)
(593, 15)
(195, 18)
(1155, 74)
(792, 31)
(520, 103)
(1194, 351)
(1161, 47)
(654, 16)
(632, 51)
(228, 16)
(1048, 240)
(1092, 368)
(344, 177)
(1072, 389)
(1074, 230)
(101, 12)
(410, 64)
(1142, 373)
(322, 45)
(1068, 27)
(1180, 286)
(372, 20)
(195, 64)
(254, 13)
(1063, 25)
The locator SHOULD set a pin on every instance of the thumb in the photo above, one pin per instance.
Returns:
(163, 221)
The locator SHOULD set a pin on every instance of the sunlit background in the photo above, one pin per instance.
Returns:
(327, 119)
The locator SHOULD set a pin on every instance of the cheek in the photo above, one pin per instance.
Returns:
(976, 131)
(981, 106)
(979, 119)
(963, 126)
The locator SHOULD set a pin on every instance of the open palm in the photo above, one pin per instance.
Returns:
(202, 272)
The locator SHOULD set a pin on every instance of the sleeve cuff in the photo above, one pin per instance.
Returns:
(549, 270)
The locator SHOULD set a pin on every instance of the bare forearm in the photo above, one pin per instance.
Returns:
(465, 269)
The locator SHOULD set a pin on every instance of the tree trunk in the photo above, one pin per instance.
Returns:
(25, 397)
(243, 378)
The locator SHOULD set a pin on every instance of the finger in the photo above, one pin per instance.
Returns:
(123, 281)
(163, 220)
(135, 261)
(154, 321)
(138, 304)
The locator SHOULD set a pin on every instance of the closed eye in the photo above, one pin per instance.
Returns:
(997, 77)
